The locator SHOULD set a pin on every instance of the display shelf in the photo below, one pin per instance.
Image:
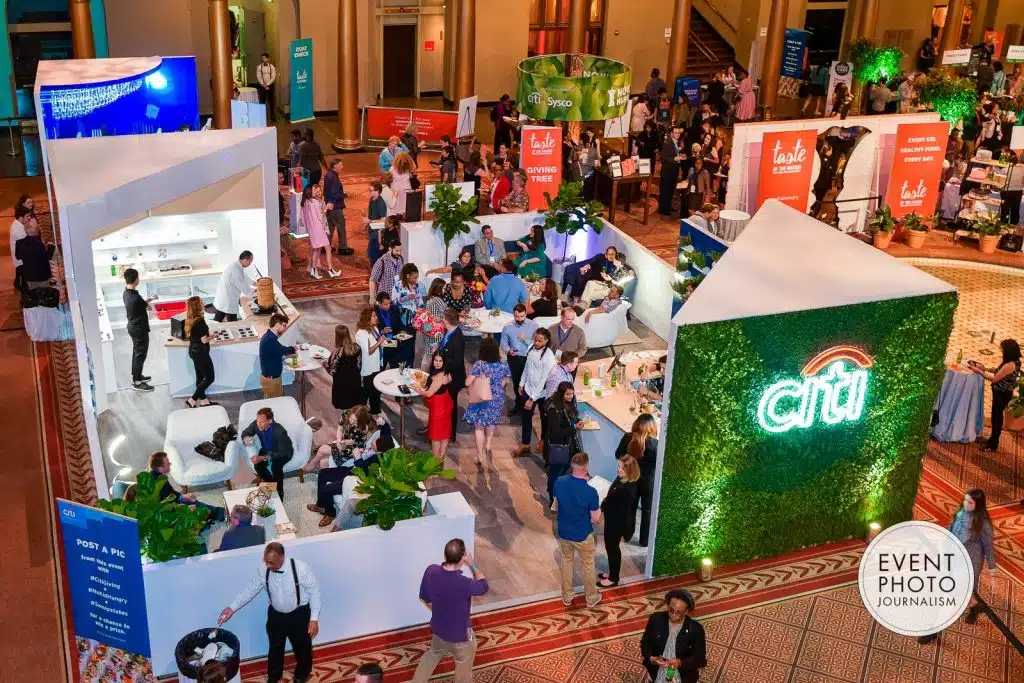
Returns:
(155, 276)
(149, 256)
(183, 237)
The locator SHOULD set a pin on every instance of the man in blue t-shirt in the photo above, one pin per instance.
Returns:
(578, 510)
(505, 290)
(272, 355)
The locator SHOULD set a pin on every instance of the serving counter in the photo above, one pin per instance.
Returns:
(234, 348)
(613, 411)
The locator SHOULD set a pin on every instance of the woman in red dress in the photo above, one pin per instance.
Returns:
(439, 406)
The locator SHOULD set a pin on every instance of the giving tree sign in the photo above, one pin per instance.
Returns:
(546, 91)
(787, 161)
(541, 160)
(916, 168)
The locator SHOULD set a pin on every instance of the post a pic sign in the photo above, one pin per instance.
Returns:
(547, 92)
(916, 168)
(107, 592)
(787, 161)
(541, 160)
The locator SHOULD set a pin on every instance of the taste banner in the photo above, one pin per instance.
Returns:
(107, 594)
(383, 122)
(541, 159)
(787, 161)
(916, 168)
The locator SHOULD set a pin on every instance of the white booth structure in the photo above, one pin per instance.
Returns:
(177, 207)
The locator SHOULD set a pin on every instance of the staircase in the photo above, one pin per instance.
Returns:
(708, 52)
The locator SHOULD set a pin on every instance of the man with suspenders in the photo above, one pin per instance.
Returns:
(293, 612)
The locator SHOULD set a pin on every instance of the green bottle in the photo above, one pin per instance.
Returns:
(586, 378)
(615, 379)
(670, 673)
(960, 357)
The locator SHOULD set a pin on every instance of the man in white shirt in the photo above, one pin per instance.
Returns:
(233, 283)
(293, 612)
(266, 75)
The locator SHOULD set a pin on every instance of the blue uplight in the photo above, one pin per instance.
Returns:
(156, 80)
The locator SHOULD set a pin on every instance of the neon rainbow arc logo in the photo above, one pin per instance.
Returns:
(833, 389)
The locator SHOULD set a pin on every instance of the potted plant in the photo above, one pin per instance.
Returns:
(569, 213)
(917, 227)
(1013, 418)
(953, 96)
(167, 529)
(882, 226)
(393, 486)
(989, 229)
(452, 214)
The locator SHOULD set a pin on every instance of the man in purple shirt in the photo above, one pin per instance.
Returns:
(448, 594)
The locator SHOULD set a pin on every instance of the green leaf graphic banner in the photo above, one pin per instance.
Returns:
(545, 92)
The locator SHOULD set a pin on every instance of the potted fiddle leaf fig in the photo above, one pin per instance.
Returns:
(568, 213)
(882, 226)
(393, 486)
(167, 529)
(1013, 418)
(989, 229)
(917, 227)
(452, 214)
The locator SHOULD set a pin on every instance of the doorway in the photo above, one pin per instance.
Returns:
(399, 50)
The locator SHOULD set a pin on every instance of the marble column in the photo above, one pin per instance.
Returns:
(868, 19)
(220, 63)
(348, 78)
(954, 25)
(680, 43)
(774, 44)
(579, 19)
(82, 44)
(465, 50)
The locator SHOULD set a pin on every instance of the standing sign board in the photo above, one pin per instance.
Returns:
(107, 593)
(840, 72)
(956, 57)
(787, 161)
(916, 168)
(793, 53)
(301, 84)
(467, 116)
(541, 159)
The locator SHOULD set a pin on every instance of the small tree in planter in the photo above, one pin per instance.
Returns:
(1014, 417)
(167, 529)
(917, 227)
(569, 213)
(882, 226)
(953, 96)
(989, 229)
(392, 484)
(452, 214)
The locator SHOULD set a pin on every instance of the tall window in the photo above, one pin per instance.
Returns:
(549, 27)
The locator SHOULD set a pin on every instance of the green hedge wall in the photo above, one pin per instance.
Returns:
(732, 491)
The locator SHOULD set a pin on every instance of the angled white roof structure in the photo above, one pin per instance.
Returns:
(786, 261)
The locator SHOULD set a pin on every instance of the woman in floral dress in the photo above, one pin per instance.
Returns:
(484, 416)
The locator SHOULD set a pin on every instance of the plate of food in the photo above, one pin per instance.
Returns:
(389, 343)
(418, 376)
(471, 322)
(402, 336)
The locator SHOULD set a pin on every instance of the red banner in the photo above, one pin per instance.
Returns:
(383, 122)
(916, 168)
(541, 159)
(787, 162)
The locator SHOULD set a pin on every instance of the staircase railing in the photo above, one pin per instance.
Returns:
(708, 53)
(718, 13)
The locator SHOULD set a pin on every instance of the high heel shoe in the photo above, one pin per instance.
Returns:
(334, 273)
(315, 275)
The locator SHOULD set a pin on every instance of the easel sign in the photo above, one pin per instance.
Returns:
(467, 117)
(619, 126)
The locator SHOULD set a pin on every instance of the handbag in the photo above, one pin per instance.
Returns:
(480, 390)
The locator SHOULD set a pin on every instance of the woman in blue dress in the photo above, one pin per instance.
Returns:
(486, 414)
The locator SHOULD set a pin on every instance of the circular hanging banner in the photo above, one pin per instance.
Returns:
(545, 91)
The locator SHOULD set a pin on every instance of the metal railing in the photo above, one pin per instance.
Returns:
(717, 13)
(703, 47)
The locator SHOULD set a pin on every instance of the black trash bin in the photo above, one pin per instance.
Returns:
(184, 651)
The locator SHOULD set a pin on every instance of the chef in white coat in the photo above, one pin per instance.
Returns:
(233, 284)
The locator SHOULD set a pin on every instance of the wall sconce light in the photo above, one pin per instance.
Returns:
(873, 530)
(707, 568)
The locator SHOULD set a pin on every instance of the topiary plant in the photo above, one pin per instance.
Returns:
(452, 214)
(167, 529)
(391, 484)
(951, 95)
(569, 213)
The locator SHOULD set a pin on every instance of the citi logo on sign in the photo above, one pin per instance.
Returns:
(833, 390)
(534, 97)
(912, 195)
(797, 155)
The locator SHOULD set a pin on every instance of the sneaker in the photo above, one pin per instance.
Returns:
(145, 378)
(141, 386)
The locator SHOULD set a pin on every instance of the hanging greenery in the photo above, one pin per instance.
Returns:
(952, 95)
(871, 62)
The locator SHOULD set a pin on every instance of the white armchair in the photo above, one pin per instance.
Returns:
(602, 330)
(287, 414)
(186, 429)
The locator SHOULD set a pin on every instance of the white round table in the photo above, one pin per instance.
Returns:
(733, 221)
(388, 382)
(310, 360)
(489, 324)
(248, 94)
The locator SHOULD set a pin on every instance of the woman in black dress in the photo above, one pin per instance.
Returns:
(619, 509)
(343, 367)
(563, 440)
(198, 333)
(547, 305)
(642, 444)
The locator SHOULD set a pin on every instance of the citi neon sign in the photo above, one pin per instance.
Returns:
(832, 391)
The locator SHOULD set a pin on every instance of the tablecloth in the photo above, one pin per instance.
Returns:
(961, 407)
(732, 222)
(248, 94)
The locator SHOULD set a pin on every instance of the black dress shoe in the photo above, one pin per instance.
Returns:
(346, 251)
(924, 640)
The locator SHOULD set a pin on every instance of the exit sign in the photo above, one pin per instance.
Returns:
(428, 46)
